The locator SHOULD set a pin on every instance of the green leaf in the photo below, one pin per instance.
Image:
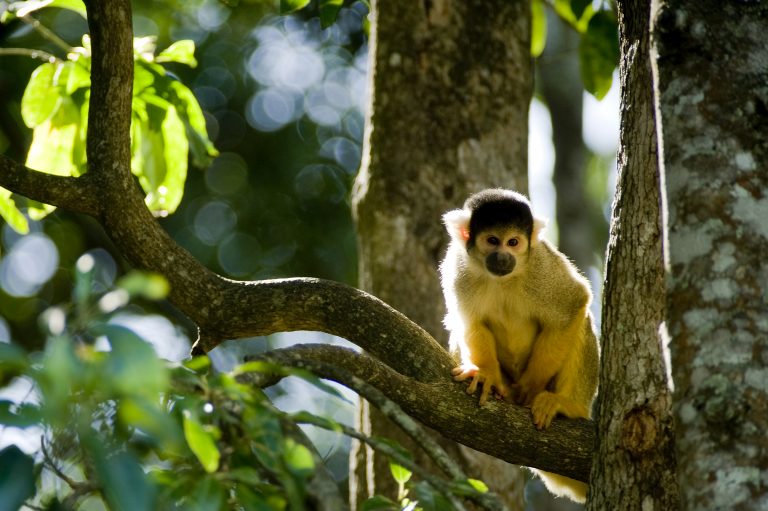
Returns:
(261, 366)
(30, 6)
(599, 53)
(377, 503)
(538, 27)
(329, 10)
(53, 141)
(133, 367)
(124, 483)
(182, 52)
(151, 286)
(287, 6)
(41, 98)
(17, 477)
(578, 7)
(207, 496)
(11, 213)
(298, 458)
(79, 75)
(201, 442)
(19, 416)
(401, 474)
(478, 485)
(203, 150)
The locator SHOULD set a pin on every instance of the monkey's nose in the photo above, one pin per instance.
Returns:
(500, 263)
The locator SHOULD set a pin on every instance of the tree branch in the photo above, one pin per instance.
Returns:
(71, 193)
(499, 429)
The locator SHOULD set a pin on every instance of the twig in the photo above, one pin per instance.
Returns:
(26, 52)
(56, 470)
(46, 32)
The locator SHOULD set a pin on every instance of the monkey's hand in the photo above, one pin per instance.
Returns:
(490, 380)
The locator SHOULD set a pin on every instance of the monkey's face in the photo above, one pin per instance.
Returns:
(499, 250)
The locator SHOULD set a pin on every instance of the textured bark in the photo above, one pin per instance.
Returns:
(635, 466)
(709, 62)
(562, 90)
(450, 95)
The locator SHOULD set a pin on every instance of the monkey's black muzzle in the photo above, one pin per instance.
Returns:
(500, 263)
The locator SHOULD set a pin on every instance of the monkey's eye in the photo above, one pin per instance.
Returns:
(513, 242)
(493, 240)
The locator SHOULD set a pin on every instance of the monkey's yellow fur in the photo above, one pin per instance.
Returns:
(526, 336)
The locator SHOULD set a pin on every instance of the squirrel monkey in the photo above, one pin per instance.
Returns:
(518, 315)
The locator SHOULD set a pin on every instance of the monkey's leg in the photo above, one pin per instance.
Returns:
(483, 364)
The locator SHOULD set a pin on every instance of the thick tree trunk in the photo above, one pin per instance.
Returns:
(711, 96)
(451, 87)
(634, 464)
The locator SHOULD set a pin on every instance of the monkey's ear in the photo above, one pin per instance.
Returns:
(539, 224)
(457, 223)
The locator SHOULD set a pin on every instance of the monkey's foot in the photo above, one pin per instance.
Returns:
(489, 380)
(544, 408)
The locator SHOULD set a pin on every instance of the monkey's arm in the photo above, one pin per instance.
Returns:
(481, 364)
(554, 347)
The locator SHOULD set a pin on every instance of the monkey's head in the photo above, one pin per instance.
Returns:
(497, 229)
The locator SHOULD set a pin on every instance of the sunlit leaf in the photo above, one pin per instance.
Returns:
(152, 286)
(24, 8)
(79, 75)
(297, 458)
(287, 6)
(201, 442)
(189, 110)
(53, 141)
(182, 52)
(329, 10)
(41, 98)
(599, 53)
(401, 474)
(478, 485)
(17, 477)
(11, 214)
(538, 27)
(61, 372)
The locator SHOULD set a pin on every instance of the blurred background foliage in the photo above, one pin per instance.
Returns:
(283, 100)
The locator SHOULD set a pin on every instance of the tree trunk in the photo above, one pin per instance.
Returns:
(449, 108)
(634, 465)
(709, 63)
(563, 91)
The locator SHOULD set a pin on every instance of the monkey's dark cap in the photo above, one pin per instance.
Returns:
(499, 207)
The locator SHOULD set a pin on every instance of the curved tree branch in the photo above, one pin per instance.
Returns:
(502, 430)
(72, 193)
(410, 366)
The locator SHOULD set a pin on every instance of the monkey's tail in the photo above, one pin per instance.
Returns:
(562, 486)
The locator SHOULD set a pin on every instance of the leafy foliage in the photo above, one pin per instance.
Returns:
(599, 47)
(123, 426)
(167, 121)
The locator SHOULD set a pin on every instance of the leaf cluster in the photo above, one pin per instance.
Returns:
(167, 121)
(599, 45)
